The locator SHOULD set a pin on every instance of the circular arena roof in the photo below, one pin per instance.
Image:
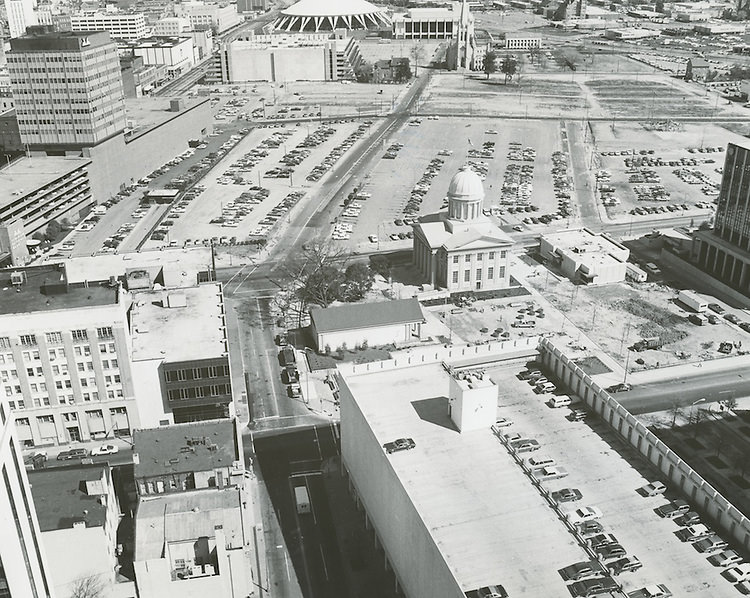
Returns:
(327, 15)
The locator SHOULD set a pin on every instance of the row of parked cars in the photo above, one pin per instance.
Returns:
(335, 154)
(609, 558)
(422, 186)
(703, 538)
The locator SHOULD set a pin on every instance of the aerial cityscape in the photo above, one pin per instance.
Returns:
(406, 299)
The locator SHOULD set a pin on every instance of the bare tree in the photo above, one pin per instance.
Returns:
(90, 586)
(731, 403)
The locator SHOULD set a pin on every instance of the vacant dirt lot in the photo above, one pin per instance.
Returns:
(617, 315)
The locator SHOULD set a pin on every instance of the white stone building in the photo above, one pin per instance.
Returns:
(461, 249)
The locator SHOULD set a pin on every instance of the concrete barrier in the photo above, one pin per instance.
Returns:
(694, 488)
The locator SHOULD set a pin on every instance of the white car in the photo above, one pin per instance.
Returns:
(584, 514)
(739, 573)
(105, 449)
(654, 489)
(503, 422)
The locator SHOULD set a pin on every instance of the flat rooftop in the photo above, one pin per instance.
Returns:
(466, 487)
(192, 331)
(147, 113)
(44, 288)
(26, 175)
(60, 498)
(186, 516)
(185, 447)
(178, 267)
(582, 241)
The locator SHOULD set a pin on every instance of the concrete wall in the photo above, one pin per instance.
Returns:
(275, 64)
(419, 567)
(698, 491)
(381, 335)
(117, 163)
(149, 395)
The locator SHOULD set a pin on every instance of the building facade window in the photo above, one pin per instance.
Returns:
(54, 338)
(28, 340)
(79, 335)
(4, 342)
(467, 276)
(105, 332)
(490, 273)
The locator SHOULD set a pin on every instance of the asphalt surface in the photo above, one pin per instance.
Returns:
(287, 460)
(662, 396)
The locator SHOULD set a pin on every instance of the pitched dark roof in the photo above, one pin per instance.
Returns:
(366, 315)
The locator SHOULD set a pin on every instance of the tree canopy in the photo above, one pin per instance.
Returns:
(508, 67)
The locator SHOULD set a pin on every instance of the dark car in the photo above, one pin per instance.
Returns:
(590, 527)
(72, 454)
(580, 570)
(732, 318)
(492, 592)
(624, 565)
(594, 587)
(621, 387)
(715, 307)
(567, 495)
(689, 518)
(401, 444)
(611, 551)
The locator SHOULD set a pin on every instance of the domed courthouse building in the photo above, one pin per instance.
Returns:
(462, 249)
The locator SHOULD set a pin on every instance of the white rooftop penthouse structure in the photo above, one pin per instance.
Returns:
(585, 256)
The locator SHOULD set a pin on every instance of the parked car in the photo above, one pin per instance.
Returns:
(732, 318)
(711, 543)
(584, 514)
(72, 454)
(715, 307)
(653, 591)
(654, 489)
(601, 540)
(624, 565)
(594, 587)
(673, 509)
(401, 444)
(739, 573)
(525, 445)
(587, 528)
(689, 518)
(610, 551)
(581, 570)
(567, 495)
(694, 533)
(492, 592)
(503, 422)
(725, 558)
(105, 449)
(550, 473)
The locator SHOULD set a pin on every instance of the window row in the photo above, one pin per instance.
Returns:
(215, 390)
(479, 256)
(490, 274)
(182, 375)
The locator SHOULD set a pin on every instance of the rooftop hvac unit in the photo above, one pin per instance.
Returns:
(17, 278)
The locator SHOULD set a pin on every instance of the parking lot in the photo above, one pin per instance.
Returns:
(608, 474)
(644, 172)
(418, 162)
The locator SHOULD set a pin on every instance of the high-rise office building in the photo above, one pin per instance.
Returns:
(725, 252)
(20, 15)
(22, 565)
(67, 88)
